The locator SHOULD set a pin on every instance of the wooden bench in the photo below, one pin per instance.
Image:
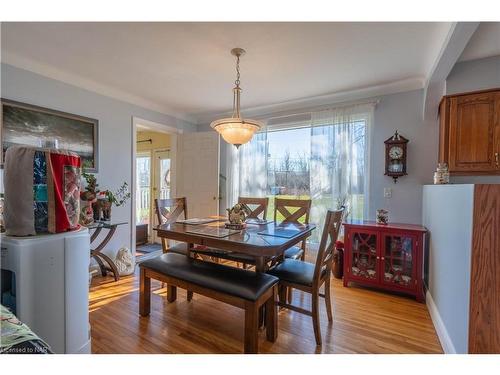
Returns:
(241, 288)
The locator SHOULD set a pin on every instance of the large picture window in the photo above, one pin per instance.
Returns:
(321, 156)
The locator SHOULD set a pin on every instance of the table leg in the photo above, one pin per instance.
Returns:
(112, 265)
(99, 263)
(99, 257)
(95, 234)
(260, 266)
(106, 239)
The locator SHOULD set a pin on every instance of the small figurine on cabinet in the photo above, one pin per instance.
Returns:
(395, 156)
(442, 175)
(382, 216)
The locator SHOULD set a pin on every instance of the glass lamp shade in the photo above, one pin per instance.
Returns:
(236, 131)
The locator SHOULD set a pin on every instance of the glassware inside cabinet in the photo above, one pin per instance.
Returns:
(398, 260)
(364, 255)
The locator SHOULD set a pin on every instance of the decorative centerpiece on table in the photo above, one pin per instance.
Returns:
(236, 217)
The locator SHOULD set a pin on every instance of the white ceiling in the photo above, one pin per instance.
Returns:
(186, 68)
(484, 43)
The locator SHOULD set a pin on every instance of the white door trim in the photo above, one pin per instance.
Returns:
(140, 123)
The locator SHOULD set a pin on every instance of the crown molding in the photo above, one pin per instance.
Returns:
(90, 85)
(414, 83)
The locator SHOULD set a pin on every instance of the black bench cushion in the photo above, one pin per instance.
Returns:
(228, 280)
(294, 271)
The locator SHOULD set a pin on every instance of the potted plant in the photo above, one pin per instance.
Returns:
(108, 198)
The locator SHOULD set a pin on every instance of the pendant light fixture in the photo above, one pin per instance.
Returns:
(236, 130)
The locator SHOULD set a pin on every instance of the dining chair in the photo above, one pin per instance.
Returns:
(255, 207)
(310, 277)
(300, 215)
(167, 212)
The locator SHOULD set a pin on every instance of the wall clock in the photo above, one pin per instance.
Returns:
(395, 156)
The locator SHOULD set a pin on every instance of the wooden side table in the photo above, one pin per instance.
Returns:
(105, 263)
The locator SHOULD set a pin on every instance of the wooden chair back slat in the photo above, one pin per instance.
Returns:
(330, 234)
(169, 210)
(261, 208)
(282, 206)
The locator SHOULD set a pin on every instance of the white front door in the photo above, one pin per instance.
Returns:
(162, 177)
(198, 172)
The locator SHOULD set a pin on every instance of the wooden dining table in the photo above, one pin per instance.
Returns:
(246, 241)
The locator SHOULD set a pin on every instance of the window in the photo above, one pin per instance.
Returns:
(143, 191)
(322, 156)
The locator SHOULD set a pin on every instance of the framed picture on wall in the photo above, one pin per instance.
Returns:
(26, 124)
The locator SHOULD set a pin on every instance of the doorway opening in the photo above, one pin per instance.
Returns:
(154, 161)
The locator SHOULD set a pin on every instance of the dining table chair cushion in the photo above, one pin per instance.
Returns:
(228, 280)
(293, 252)
(294, 271)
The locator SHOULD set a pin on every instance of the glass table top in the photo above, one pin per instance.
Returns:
(105, 224)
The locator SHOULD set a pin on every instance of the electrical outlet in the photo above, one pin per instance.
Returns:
(387, 192)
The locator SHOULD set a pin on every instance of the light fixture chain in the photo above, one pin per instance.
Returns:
(237, 82)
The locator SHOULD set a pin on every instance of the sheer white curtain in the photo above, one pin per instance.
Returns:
(246, 169)
(339, 160)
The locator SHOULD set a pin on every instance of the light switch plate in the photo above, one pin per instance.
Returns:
(387, 192)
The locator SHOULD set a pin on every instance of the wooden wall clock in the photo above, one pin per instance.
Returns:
(395, 156)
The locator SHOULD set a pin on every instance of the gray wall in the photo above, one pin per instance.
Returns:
(472, 76)
(403, 112)
(115, 129)
(450, 238)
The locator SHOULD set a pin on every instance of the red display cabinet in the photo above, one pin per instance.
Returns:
(389, 256)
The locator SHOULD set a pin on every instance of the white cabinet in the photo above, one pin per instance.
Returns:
(51, 286)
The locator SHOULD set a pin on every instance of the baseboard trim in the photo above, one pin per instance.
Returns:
(441, 331)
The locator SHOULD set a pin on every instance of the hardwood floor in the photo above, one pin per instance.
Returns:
(365, 321)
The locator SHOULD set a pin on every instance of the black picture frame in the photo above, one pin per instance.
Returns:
(63, 126)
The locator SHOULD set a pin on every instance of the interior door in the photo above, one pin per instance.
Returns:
(162, 177)
(198, 172)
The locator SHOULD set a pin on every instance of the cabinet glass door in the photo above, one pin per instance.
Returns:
(364, 256)
(398, 260)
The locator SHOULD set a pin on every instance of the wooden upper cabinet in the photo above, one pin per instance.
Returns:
(470, 133)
